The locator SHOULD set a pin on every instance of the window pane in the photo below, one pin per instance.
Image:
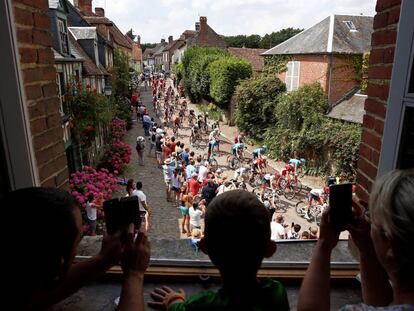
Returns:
(406, 156)
(290, 69)
(296, 69)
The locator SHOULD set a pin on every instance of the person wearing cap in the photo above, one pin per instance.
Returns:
(167, 170)
(140, 149)
(194, 185)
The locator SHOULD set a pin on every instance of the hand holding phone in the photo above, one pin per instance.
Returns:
(340, 202)
(120, 213)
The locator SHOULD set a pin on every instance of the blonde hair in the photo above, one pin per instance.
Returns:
(392, 207)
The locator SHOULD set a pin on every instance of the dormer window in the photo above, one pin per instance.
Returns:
(350, 25)
(63, 36)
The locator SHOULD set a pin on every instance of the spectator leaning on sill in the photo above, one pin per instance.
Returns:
(386, 247)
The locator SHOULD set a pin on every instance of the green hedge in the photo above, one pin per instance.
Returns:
(226, 73)
(302, 126)
(203, 79)
(256, 100)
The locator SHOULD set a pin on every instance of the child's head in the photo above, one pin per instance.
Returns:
(240, 215)
(45, 240)
(296, 228)
(305, 235)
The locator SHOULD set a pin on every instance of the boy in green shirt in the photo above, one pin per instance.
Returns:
(236, 238)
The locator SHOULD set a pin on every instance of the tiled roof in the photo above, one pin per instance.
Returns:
(119, 37)
(98, 20)
(253, 56)
(148, 53)
(350, 109)
(89, 67)
(159, 48)
(136, 52)
(83, 32)
(212, 39)
(331, 35)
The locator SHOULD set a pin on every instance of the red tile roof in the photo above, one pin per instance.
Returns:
(251, 55)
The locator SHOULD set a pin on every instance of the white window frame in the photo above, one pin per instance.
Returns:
(292, 77)
(61, 23)
(399, 98)
(14, 124)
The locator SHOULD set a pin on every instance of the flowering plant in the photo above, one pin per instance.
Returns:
(118, 128)
(90, 181)
(117, 157)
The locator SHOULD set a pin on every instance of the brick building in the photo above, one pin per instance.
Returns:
(325, 53)
(206, 36)
(253, 56)
(32, 148)
(387, 138)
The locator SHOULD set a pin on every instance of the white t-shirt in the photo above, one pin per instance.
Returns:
(317, 192)
(195, 217)
(141, 198)
(277, 231)
(221, 189)
(202, 173)
(90, 211)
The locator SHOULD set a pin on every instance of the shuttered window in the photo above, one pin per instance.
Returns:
(292, 76)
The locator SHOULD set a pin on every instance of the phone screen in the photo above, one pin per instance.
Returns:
(120, 213)
(340, 201)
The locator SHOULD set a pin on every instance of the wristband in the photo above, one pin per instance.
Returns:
(168, 300)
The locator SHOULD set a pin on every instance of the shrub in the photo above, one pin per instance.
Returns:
(301, 126)
(256, 100)
(226, 73)
(116, 157)
(118, 128)
(90, 181)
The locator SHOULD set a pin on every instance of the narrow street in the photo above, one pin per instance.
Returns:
(165, 218)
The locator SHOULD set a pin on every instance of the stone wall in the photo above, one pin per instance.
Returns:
(39, 76)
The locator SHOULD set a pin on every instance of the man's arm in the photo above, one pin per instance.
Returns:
(314, 291)
(134, 264)
(84, 272)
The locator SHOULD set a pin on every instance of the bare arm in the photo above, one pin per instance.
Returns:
(84, 272)
(314, 292)
(376, 289)
(134, 264)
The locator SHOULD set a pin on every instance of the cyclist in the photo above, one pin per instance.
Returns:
(213, 141)
(239, 139)
(259, 152)
(237, 150)
(195, 132)
(191, 117)
(318, 195)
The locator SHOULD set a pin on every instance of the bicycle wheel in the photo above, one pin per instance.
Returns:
(301, 208)
(278, 203)
(289, 192)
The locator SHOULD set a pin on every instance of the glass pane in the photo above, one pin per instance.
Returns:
(411, 86)
(296, 69)
(295, 83)
(406, 153)
(290, 69)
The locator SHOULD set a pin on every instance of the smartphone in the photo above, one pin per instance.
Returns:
(121, 212)
(340, 201)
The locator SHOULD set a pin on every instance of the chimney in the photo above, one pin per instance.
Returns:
(85, 6)
(139, 39)
(170, 39)
(100, 12)
(203, 38)
(197, 26)
(162, 40)
(203, 23)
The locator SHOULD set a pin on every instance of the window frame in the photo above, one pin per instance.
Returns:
(292, 76)
(14, 116)
(61, 22)
(399, 98)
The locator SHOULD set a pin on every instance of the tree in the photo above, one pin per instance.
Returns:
(225, 74)
(130, 34)
(275, 38)
(252, 41)
(256, 100)
(145, 46)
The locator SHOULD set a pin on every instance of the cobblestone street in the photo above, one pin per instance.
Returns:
(164, 218)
